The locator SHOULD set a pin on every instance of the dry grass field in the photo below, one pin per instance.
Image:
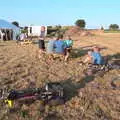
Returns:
(87, 98)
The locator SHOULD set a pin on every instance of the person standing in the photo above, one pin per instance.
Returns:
(41, 41)
(59, 45)
(68, 47)
(2, 34)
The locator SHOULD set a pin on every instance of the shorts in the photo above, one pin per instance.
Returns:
(67, 50)
(42, 44)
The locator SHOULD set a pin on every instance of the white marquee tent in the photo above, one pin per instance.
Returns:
(9, 26)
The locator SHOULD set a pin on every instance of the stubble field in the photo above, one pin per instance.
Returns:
(87, 98)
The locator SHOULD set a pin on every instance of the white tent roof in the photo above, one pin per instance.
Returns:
(6, 25)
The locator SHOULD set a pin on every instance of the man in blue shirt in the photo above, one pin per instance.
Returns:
(97, 58)
(59, 45)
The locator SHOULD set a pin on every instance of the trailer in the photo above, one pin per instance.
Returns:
(35, 31)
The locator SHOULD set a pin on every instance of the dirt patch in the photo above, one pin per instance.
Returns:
(76, 31)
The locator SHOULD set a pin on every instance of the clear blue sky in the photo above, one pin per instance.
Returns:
(64, 12)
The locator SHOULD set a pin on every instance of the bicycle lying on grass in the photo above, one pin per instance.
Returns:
(100, 70)
(51, 93)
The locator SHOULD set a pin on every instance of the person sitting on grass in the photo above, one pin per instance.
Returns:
(97, 58)
(68, 43)
(89, 58)
(94, 57)
(21, 37)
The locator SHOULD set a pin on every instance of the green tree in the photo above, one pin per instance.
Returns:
(80, 23)
(15, 23)
(102, 28)
(114, 27)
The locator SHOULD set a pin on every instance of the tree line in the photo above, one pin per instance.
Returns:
(80, 23)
